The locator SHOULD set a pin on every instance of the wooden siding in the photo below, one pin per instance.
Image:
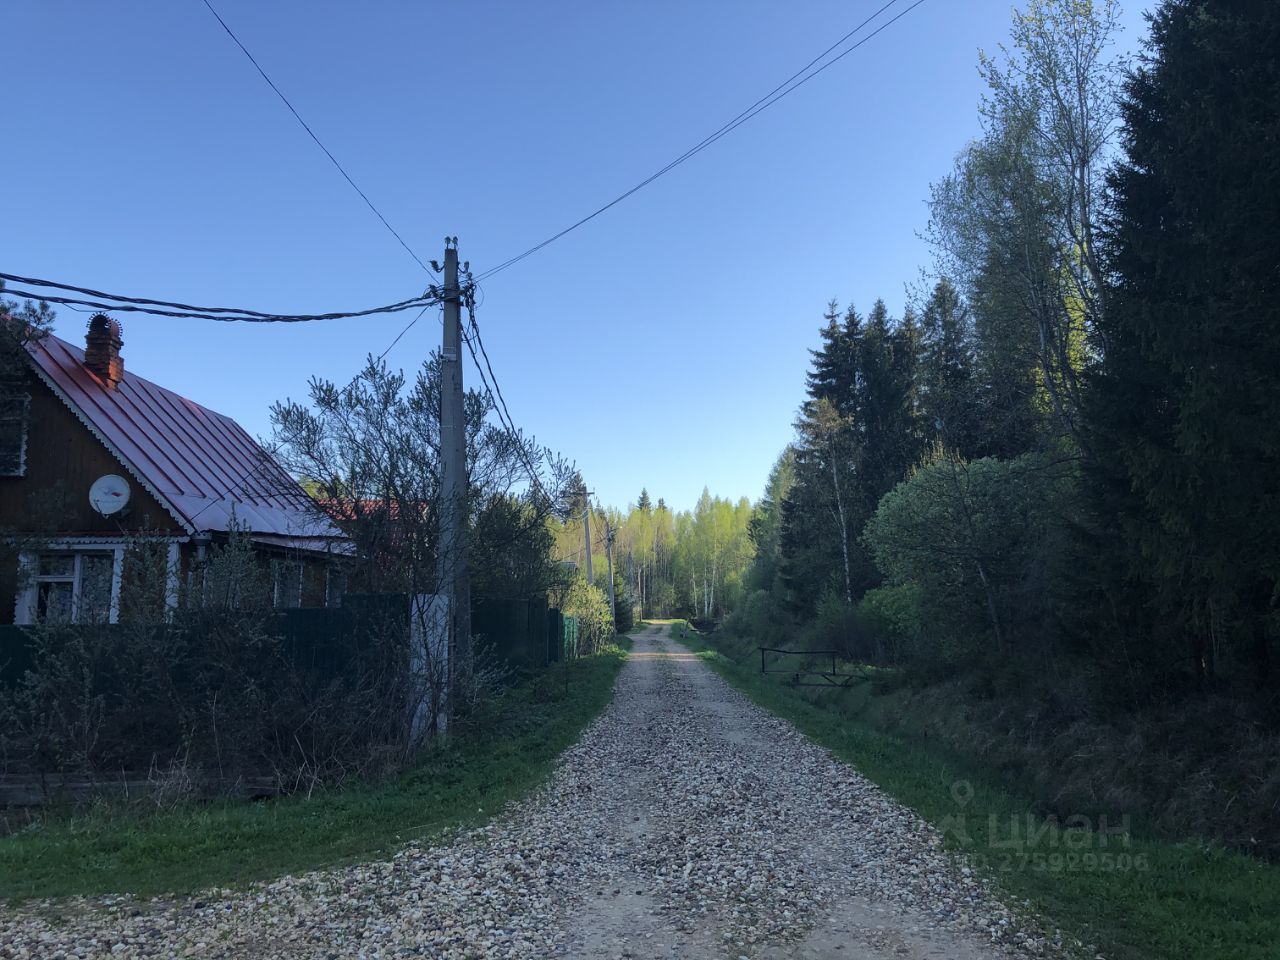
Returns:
(63, 459)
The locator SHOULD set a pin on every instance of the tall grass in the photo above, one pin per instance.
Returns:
(500, 755)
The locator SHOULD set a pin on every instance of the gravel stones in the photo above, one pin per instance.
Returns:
(685, 823)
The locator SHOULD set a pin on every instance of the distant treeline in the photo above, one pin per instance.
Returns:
(667, 563)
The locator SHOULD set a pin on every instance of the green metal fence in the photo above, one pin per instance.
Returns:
(330, 642)
(571, 631)
(515, 630)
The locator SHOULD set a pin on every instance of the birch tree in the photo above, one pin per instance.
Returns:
(1016, 222)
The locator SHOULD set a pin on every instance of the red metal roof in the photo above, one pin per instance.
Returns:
(201, 465)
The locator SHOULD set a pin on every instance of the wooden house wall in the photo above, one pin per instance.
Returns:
(63, 459)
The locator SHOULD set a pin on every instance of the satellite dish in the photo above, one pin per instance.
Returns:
(109, 494)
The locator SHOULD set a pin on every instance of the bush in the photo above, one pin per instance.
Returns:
(590, 605)
(894, 615)
(836, 626)
(759, 617)
(215, 693)
(983, 544)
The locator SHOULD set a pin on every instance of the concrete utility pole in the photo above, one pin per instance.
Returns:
(586, 527)
(613, 602)
(451, 560)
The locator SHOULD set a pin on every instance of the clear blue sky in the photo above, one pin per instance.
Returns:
(663, 345)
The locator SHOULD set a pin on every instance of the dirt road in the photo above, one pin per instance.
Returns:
(685, 823)
(732, 835)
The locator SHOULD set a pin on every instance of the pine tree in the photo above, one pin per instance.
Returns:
(765, 528)
(905, 346)
(1015, 414)
(1185, 410)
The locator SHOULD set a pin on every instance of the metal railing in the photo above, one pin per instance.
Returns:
(811, 678)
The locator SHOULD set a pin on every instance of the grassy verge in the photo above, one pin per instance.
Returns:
(505, 754)
(1150, 899)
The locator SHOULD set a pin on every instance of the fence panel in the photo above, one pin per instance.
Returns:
(571, 630)
(554, 635)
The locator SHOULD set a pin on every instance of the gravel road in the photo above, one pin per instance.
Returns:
(685, 823)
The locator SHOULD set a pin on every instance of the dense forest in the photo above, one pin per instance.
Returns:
(1050, 483)
(1063, 450)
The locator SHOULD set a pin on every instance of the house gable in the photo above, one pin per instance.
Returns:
(63, 459)
(202, 466)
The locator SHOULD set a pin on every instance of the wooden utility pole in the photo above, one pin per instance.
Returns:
(451, 558)
(586, 527)
(613, 601)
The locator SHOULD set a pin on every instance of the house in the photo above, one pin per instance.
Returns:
(95, 459)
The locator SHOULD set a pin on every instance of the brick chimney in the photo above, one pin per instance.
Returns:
(102, 349)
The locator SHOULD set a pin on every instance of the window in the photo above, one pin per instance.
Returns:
(73, 587)
(335, 586)
(15, 410)
(288, 583)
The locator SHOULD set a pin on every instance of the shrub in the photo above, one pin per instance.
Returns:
(590, 605)
(759, 617)
(894, 615)
(215, 692)
(983, 544)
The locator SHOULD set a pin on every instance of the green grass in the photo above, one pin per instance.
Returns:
(510, 751)
(1174, 900)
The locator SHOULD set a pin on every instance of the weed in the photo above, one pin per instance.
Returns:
(501, 755)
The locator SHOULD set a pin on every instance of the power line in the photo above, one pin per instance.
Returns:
(495, 391)
(169, 308)
(504, 416)
(399, 335)
(788, 86)
(268, 456)
(225, 314)
(140, 304)
(475, 331)
(297, 116)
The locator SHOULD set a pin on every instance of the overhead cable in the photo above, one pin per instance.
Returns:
(305, 126)
(169, 308)
(788, 86)
(269, 455)
(494, 391)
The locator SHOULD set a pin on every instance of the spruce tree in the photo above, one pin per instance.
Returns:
(1185, 407)
(948, 403)
(885, 417)
(818, 523)
(831, 375)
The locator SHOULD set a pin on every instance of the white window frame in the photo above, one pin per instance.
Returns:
(24, 423)
(30, 579)
(329, 571)
(26, 605)
(276, 566)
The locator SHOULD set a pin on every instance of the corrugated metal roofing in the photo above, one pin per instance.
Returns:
(202, 465)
